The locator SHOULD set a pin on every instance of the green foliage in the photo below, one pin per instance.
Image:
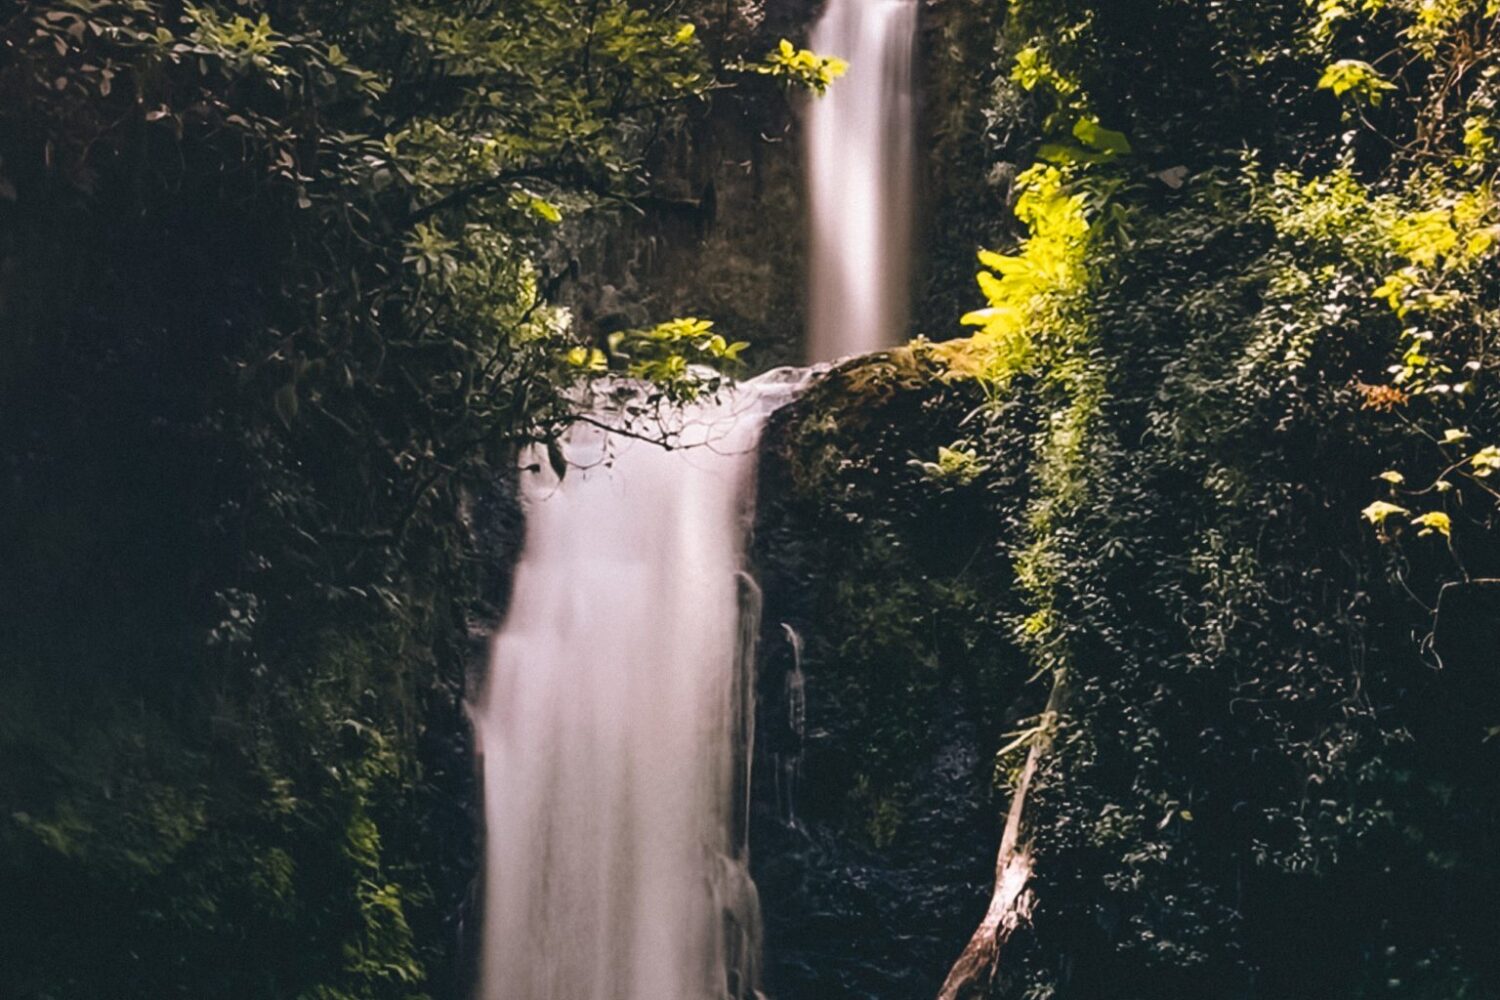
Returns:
(681, 358)
(1032, 69)
(801, 67)
(1357, 79)
(1265, 418)
(277, 306)
(957, 464)
(1031, 292)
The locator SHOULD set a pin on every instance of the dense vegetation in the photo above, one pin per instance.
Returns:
(1228, 498)
(277, 308)
(1213, 479)
(1251, 301)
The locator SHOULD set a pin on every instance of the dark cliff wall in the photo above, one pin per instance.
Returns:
(721, 233)
(876, 816)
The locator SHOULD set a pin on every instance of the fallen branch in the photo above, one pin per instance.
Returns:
(973, 975)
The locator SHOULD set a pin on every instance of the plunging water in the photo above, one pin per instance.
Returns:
(615, 725)
(860, 169)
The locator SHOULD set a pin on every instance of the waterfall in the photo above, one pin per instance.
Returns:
(615, 725)
(860, 179)
(789, 763)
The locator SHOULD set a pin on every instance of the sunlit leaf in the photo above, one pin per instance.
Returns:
(1434, 521)
(1377, 512)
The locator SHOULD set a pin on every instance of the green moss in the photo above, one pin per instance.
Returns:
(902, 602)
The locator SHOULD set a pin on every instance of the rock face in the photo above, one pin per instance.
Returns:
(720, 234)
(875, 814)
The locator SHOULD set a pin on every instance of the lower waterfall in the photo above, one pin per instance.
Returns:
(616, 722)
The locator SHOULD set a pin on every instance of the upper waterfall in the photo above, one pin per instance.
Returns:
(861, 179)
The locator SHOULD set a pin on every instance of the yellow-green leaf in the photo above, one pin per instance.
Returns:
(1357, 78)
(545, 209)
(1423, 237)
(1095, 136)
(1434, 521)
(1486, 461)
(1378, 511)
(588, 358)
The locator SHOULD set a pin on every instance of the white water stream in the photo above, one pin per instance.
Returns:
(615, 726)
(860, 179)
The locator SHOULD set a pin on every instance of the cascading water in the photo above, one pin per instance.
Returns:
(860, 179)
(789, 765)
(616, 722)
(615, 726)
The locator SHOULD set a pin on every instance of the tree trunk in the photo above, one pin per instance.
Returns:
(973, 975)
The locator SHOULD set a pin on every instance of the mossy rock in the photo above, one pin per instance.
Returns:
(876, 821)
